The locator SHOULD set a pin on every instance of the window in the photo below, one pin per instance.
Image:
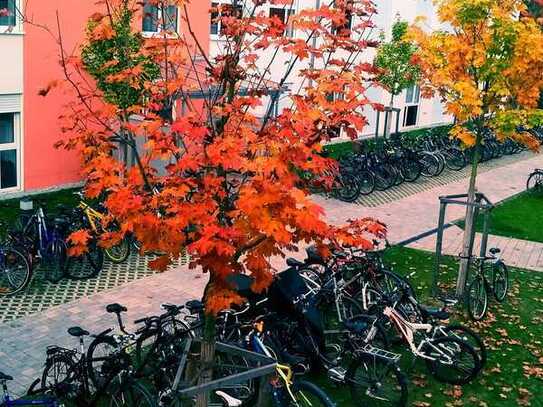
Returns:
(9, 166)
(284, 15)
(8, 13)
(219, 11)
(411, 111)
(159, 18)
(344, 30)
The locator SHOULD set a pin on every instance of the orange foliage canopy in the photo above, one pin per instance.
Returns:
(220, 176)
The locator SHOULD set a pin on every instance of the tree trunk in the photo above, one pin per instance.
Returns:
(207, 352)
(388, 128)
(470, 218)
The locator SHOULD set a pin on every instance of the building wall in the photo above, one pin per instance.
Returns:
(32, 62)
(430, 111)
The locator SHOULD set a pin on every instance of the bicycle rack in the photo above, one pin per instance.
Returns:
(482, 203)
(261, 366)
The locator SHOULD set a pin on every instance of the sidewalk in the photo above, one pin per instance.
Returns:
(23, 341)
(514, 252)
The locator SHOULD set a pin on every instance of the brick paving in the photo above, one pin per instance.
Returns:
(23, 341)
(514, 252)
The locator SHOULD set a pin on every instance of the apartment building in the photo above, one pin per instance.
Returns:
(414, 111)
(29, 124)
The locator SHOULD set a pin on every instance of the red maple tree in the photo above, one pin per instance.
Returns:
(195, 158)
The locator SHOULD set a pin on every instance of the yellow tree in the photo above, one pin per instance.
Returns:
(487, 66)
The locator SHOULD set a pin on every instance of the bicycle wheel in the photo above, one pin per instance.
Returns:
(366, 181)
(87, 265)
(307, 394)
(430, 165)
(98, 355)
(59, 378)
(454, 361)
(346, 188)
(376, 381)
(455, 159)
(477, 298)
(56, 260)
(119, 252)
(500, 281)
(131, 393)
(470, 337)
(535, 182)
(410, 170)
(15, 271)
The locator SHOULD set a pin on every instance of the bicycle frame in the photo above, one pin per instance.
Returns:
(93, 216)
(9, 402)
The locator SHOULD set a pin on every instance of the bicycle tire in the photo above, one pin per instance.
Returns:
(132, 393)
(535, 182)
(411, 170)
(308, 394)
(477, 294)
(457, 348)
(120, 252)
(367, 182)
(12, 257)
(455, 159)
(347, 188)
(471, 338)
(371, 392)
(62, 386)
(87, 265)
(498, 269)
(95, 361)
(56, 255)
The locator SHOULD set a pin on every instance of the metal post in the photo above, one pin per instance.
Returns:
(439, 247)
(397, 121)
(377, 126)
(484, 238)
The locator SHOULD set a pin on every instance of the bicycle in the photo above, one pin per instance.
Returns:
(15, 270)
(535, 181)
(117, 253)
(7, 401)
(479, 287)
(285, 391)
(69, 376)
(43, 241)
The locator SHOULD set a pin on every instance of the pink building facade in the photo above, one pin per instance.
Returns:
(29, 125)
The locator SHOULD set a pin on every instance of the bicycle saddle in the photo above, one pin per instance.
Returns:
(229, 400)
(194, 306)
(434, 312)
(4, 376)
(115, 308)
(292, 262)
(77, 331)
(494, 250)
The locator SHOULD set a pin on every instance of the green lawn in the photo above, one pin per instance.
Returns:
(9, 209)
(520, 217)
(513, 335)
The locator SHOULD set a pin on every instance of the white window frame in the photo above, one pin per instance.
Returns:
(15, 145)
(18, 27)
(218, 35)
(414, 100)
(290, 11)
(159, 22)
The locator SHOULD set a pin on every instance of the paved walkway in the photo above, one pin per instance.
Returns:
(23, 341)
(419, 213)
(515, 252)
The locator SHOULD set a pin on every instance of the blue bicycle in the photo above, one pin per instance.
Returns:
(7, 401)
(43, 240)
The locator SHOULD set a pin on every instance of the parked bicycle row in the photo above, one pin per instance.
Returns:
(41, 239)
(348, 316)
(402, 159)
